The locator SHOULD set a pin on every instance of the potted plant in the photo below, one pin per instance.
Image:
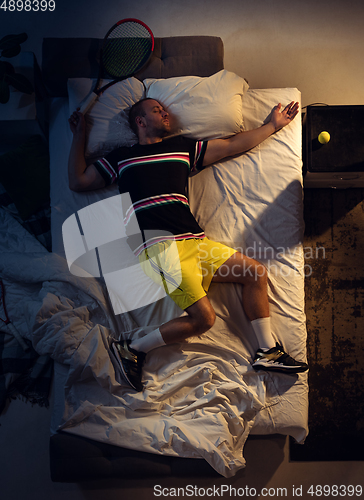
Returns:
(10, 47)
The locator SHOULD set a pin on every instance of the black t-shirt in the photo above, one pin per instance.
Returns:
(155, 177)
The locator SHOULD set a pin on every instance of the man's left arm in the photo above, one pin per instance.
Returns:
(218, 149)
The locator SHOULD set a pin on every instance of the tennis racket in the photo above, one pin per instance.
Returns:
(126, 48)
(5, 319)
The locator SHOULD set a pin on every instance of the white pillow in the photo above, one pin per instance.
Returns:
(107, 125)
(202, 108)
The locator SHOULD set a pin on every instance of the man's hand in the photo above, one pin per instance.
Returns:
(282, 118)
(82, 177)
(77, 124)
(218, 149)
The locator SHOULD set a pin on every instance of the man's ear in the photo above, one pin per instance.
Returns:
(139, 121)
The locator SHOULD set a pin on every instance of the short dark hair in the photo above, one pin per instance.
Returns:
(135, 111)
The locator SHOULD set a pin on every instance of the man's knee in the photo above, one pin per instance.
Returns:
(209, 319)
(205, 320)
(203, 316)
(255, 274)
(252, 271)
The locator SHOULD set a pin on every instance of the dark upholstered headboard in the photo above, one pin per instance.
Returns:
(64, 58)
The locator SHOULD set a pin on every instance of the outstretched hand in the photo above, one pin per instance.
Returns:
(282, 118)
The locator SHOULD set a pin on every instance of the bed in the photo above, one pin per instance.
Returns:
(202, 399)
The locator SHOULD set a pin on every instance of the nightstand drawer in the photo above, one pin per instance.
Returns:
(339, 180)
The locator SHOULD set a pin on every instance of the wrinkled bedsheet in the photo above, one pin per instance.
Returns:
(200, 398)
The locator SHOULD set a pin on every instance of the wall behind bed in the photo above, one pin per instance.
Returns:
(317, 47)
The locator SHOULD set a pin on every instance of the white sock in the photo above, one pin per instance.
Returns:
(150, 341)
(263, 332)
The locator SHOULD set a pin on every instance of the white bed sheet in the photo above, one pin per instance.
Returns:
(255, 203)
(206, 399)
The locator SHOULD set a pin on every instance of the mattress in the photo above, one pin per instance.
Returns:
(202, 398)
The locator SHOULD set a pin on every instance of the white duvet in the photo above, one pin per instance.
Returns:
(202, 398)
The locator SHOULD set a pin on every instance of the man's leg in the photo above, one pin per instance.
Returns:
(200, 318)
(131, 354)
(189, 295)
(201, 315)
(181, 264)
(253, 275)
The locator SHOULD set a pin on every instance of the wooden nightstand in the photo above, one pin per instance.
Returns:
(340, 162)
(24, 115)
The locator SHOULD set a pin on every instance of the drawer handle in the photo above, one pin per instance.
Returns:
(349, 177)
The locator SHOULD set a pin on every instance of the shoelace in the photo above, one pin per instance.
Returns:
(126, 353)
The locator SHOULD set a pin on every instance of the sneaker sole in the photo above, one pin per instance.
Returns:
(115, 349)
(281, 369)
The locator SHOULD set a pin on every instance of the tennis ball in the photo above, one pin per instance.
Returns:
(324, 137)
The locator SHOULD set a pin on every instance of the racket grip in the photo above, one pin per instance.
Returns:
(88, 103)
(18, 337)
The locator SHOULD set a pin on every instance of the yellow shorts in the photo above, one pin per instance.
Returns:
(184, 268)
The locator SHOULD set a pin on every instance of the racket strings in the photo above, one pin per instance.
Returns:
(126, 48)
(129, 30)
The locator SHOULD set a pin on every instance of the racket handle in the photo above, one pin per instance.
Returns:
(17, 335)
(88, 103)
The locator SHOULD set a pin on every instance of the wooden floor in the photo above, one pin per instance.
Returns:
(334, 251)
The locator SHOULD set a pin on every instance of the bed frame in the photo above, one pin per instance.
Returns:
(275, 207)
(73, 458)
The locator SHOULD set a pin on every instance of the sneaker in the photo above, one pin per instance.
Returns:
(130, 362)
(277, 360)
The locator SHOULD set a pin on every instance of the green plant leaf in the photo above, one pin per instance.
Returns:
(8, 41)
(4, 92)
(11, 52)
(20, 82)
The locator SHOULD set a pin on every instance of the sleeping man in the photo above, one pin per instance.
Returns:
(155, 172)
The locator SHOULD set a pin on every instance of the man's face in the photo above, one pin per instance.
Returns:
(156, 119)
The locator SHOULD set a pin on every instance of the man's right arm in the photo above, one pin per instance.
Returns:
(80, 176)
